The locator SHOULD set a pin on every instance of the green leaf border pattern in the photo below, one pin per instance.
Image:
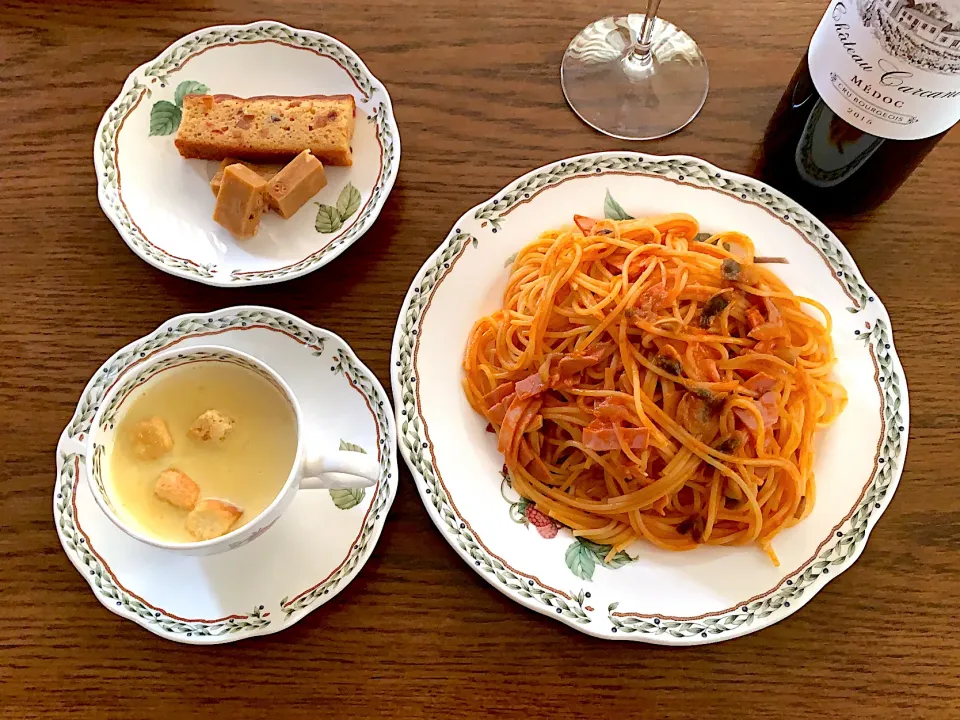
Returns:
(693, 172)
(847, 542)
(345, 365)
(110, 593)
(94, 393)
(370, 208)
(96, 473)
(410, 435)
(258, 32)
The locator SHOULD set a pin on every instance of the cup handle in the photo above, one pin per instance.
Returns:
(353, 470)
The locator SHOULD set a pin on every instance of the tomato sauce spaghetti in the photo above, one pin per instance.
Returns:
(646, 381)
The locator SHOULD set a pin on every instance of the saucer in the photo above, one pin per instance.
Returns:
(300, 562)
(161, 203)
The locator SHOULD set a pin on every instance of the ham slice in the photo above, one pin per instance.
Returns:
(637, 266)
(518, 415)
(773, 312)
(498, 394)
(760, 383)
(650, 301)
(747, 418)
(533, 463)
(600, 436)
(511, 419)
(584, 223)
(768, 331)
(572, 364)
(635, 438)
(530, 386)
(765, 347)
(525, 455)
(767, 405)
(542, 379)
(553, 372)
(497, 413)
(769, 409)
(609, 410)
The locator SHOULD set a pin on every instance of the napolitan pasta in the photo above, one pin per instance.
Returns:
(645, 381)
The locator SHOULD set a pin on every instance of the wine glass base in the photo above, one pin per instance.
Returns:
(632, 98)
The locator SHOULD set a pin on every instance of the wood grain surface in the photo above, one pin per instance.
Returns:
(418, 634)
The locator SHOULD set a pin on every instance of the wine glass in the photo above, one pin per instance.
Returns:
(636, 77)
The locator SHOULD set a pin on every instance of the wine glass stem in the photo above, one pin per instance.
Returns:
(641, 51)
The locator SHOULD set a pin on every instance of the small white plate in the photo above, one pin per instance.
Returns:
(162, 205)
(304, 559)
(708, 594)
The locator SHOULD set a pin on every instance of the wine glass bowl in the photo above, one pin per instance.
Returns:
(631, 84)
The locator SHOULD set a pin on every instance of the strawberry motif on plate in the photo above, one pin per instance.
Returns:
(544, 525)
(524, 512)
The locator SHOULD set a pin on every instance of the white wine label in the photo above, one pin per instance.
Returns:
(890, 68)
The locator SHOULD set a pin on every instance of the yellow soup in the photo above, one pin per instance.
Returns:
(248, 467)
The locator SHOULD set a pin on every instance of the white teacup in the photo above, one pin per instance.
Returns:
(311, 469)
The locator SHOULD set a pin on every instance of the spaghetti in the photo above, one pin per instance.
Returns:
(647, 381)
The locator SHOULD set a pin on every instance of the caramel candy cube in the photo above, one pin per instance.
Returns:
(240, 200)
(266, 171)
(151, 439)
(211, 425)
(177, 488)
(212, 518)
(300, 180)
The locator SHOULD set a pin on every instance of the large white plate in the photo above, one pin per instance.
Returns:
(711, 593)
(161, 204)
(301, 561)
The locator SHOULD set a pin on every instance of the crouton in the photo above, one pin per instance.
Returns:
(211, 425)
(151, 439)
(212, 518)
(177, 489)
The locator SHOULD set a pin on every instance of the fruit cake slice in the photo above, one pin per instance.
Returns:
(267, 128)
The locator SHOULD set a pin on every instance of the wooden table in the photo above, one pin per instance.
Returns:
(418, 634)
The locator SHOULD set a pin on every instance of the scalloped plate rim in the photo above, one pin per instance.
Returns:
(601, 630)
(391, 171)
(277, 624)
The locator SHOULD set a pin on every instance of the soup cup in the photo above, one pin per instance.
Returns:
(312, 469)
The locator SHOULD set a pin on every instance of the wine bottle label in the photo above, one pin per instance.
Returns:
(890, 68)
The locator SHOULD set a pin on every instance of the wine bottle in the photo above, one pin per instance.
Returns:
(877, 89)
